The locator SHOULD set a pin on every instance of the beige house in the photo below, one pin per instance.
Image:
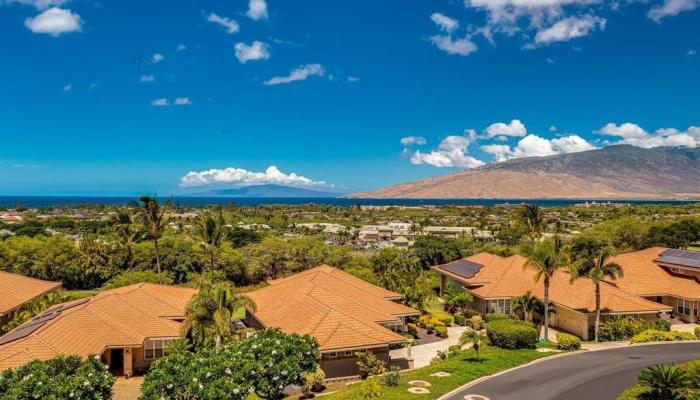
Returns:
(345, 314)
(127, 327)
(494, 281)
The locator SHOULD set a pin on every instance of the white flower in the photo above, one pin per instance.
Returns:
(228, 371)
(194, 379)
(208, 374)
(170, 385)
(86, 383)
(235, 391)
(201, 387)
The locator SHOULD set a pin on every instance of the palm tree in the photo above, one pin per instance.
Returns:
(525, 306)
(93, 258)
(210, 313)
(546, 259)
(127, 232)
(211, 232)
(597, 269)
(665, 381)
(153, 217)
(531, 216)
(476, 338)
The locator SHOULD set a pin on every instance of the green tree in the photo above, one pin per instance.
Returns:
(272, 255)
(666, 382)
(526, 306)
(476, 339)
(398, 270)
(94, 260)
(153, 216)
(434, 250)
(211, 232)
(127, 232)
(532, 218)
(546, 259)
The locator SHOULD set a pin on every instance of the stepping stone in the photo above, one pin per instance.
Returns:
(475, 397)
(441, 374)
(547, 350)
(419, 383)
(418, 390)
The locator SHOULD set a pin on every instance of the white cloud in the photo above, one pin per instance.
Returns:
(162, 102)
(444, 22)
(147, 78)
(157, 57)
(257, 9)
(514, 128)
(239, 176)
(230, 25)
(569, 28)
(181, 47)
(409, 140)
(93, 86)
(353, 79)
(670, 8)
(55, 21)
(254, 51)
(298, 74)
(182, 101)
(691, 52)
(536, 146)
(39, 4)
(67, 88)
(451, 152)
(552, 128)
(461, 47)
(635, 135)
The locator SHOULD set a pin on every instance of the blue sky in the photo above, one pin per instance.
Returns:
(162, 96)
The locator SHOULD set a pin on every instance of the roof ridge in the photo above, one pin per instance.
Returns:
(109, 322)
(354, 279)
(157, 299)
(353, 301)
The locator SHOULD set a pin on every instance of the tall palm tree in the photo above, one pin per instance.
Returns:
(525, 306)
(211, 232)
(127, 231)
(597, 269)
(546, 259)
(531, 216)
(153, 217)
(665, 381)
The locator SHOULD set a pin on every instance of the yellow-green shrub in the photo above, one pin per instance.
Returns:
(653, 335)
(568, 342)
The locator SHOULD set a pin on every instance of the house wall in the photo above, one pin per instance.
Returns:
(571, 322)
(342, 365)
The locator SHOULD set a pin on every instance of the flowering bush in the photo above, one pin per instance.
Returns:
(59, 378)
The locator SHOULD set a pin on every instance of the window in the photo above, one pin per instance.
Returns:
(348, 353)
(501, 306)
(684, 306)
(332, 354)
(155, 348)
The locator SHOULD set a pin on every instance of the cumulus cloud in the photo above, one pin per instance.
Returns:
(254, 51)
(451, 152)
(182, 101)
(55, 21)
(444, 22)
(298, 74)
(162, 102)
(230, 25)
(157, 57)
(670, 8)
(257, 9)
(635, 135)
(537, 146)
(409, 140)
(570, 28)
(446, 43)
(147, 78)
(239, 176)
(514, 128)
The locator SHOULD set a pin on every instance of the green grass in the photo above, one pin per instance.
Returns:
(239, 313)
(464, 368)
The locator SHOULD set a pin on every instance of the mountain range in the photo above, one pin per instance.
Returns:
(268, 190)
(613, 172)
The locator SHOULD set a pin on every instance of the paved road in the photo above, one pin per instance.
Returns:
(596, 375)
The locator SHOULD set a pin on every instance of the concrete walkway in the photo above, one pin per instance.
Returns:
(690, 328)
(127, 389)
(422, 354)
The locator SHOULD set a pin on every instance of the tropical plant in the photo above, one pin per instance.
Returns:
(211, 232)
(127, 231)
(665, 381)
(525, 306)
(94, 260)
(392, 378)
(178, 346)
(476, 339)
(370, 389)
(369, 364)
(546, 259)
(532, 218)
(153, 216)
(457, 300)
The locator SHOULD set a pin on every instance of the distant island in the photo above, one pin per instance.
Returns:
(613, 172)
(268, 190)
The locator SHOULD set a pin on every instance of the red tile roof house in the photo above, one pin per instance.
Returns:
(127, 327)
(17, 290)
(647, 289)
(345, 315)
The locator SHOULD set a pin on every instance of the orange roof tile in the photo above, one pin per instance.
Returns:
(122, 317)
(17, 290)
(339, 310)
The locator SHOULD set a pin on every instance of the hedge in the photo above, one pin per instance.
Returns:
(441, 331)
(653, 335)
(618, 329)
(512, 334)
(496, 317)
(568, 342)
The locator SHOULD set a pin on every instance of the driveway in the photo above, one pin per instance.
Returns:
(127, 389)
(599, 375)
(422, 354)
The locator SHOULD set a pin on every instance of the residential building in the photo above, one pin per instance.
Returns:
(494, 281)
(450, 232)
(17, 290)
(127, 327)
(345, 314)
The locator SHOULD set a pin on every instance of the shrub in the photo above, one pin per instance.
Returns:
(568, 342)
(412, 329)
(437, 322)
(313, 382)
(454, 349)
(369, 364)
(697, 332)
(477, 323)
(495, 317)
(443, 317)
(430, 328)
(617, 329)
(441, 331)
(512, 334)
(370, 389)
(662, 325)
(58, 378)
(392, 378)
(423, 320)
(460, 319)
(653, 335)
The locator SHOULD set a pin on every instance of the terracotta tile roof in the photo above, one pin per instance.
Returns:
(644, 277)
(508, 277)
(17, 290)
(123, 317)
(339, 310)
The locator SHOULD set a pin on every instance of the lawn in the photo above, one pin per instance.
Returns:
(464, 368)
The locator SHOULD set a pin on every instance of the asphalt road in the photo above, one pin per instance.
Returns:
(596, 375)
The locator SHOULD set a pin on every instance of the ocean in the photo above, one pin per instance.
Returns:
(63, 201)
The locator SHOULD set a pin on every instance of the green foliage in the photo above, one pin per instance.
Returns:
(441, 331)
(662, 325)
(58, 378)
(653, 335)
(433, 250)
(618, 329)
(460, 319)
(397, 270)
(478, 323)
(412, 328)
(697, 332)
(512, 334)
(491, 317)
(476, 339)
(313, 382)
(392, 378)
(370, 389)
(131, 277)
(679, 234)
(568, 342)
(369, 364)
(665, 381)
